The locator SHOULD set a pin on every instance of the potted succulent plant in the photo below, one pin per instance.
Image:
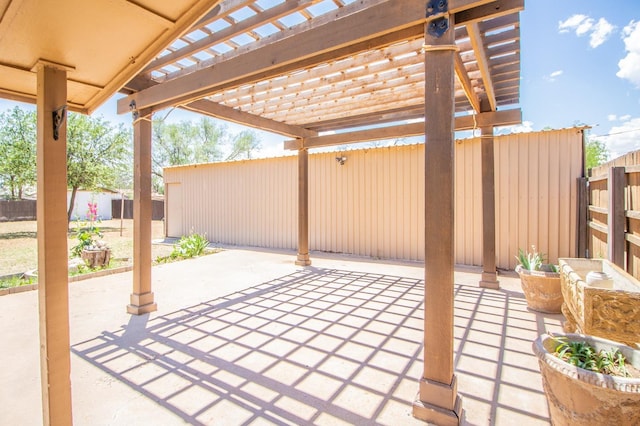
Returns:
(540, 281)
(589, 380)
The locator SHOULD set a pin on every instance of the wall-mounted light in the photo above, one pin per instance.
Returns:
(341, 159)
(58, 115)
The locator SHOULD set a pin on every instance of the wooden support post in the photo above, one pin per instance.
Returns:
(142, 299)
(303, 208)
(489, 275)
(582, 212)
(438, 401)
(53, 280)
(616, 219)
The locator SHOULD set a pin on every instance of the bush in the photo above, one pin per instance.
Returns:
(16, 281)
(191, 246)
(187, 247)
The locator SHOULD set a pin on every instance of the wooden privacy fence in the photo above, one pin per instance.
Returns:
(14, 210)
(613, 216)
(157, 212)
(372, 203)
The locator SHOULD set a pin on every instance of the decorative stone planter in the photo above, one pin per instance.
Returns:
(96, 258)
(541, 289)
(610, 313)
(581, 397)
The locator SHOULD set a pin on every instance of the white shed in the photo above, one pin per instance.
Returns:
(102, 198)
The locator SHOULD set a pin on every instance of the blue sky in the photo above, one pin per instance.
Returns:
(580, 64)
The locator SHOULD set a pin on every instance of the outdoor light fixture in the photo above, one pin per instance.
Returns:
(341, 160)
(58, 118)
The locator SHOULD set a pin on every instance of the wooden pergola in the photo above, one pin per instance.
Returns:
(357, 70)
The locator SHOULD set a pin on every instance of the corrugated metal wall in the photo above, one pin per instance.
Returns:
(250, 203)
(373, 205)
(536, 193)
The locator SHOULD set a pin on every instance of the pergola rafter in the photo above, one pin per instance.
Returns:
(231, 31)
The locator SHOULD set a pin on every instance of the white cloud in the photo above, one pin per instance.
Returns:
(625, 117)
(612, 117)
(598, 32)
(629, 66)
(552, 77)
(526, 126)
(581, 23)
(601, 32)
(623, 138)
(273, 150)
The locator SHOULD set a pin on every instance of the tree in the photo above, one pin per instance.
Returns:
(17, 150)
(184, 143)
(208, 142)
(596, 153)
(244, 143)
(97, 154)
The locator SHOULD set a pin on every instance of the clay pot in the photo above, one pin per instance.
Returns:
(541, 289)
(581, 397)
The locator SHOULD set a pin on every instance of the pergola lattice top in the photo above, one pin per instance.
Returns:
(318, 65)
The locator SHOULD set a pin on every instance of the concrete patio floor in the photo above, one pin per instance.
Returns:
(245, 337)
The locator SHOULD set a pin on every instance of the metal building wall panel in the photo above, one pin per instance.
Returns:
(251, 203)
(373, 204)
(468, 202)
(536, 193)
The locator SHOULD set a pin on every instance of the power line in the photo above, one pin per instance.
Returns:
(615, 133)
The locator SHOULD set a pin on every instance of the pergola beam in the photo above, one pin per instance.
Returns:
(495, 119)
(222, 112)
(483, 63)
(463, 77)
(493, 9)
(409, 112)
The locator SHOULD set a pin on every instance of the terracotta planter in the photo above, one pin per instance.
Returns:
(581, 397)
(541, 289)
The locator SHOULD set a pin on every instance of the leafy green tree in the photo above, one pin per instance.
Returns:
(244, 143)
(209, 140)
(17, 150)
(97, 154)
(184, 143)
(596, 153)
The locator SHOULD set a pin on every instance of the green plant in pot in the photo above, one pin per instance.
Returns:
(589, 380)
(540, 281)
